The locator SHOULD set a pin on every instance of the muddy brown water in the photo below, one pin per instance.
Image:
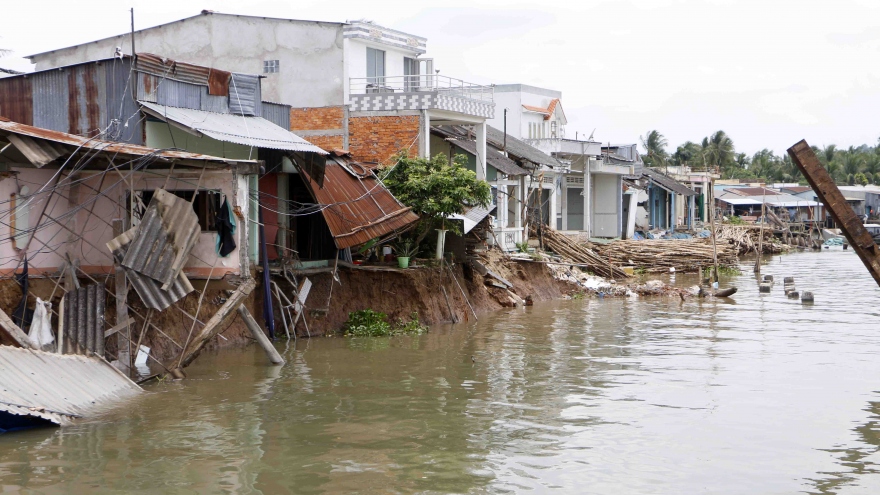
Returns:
(758, 394)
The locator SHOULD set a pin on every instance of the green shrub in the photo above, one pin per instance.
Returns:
(369, 323)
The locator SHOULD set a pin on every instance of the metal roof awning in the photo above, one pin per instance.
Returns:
(668, 183)
(248, 131)
(739, 201)
(39, 146)
(58, 387)
(357, 207)
(793, 204)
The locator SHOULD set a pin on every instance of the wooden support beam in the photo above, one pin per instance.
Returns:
(212, 326)
(13, 331)
(122, 319)
(850, 223)
(259, 336)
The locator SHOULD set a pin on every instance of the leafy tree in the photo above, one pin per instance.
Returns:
(655, 148)
(687, 154)
(719, 150)
(860, 179)
(435, 189)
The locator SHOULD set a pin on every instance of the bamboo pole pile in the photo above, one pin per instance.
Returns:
(580, 253)
(657, 256)
(745, 238)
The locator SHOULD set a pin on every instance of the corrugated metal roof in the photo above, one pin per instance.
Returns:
(359, 207)
(248, 131)
(244, 95)
(84, 320)
(57, 387)
(519, 149)
(172, 69)
(739, 201)
(149, 290)
(164, 238)
(114, 148)
(753, 191)
(493, 156)
(667, 182)
(472, 216)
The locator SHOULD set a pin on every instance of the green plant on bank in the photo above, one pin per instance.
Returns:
(735, 220)
(640, 270)
(435, 189)
(523, 247)
(722, 270)
(406, 249)
(578, 296)
(369, 323)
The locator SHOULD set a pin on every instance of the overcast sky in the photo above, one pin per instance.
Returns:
(769, 73)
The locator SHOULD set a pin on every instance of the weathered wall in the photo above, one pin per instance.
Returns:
(322, 126)
(378, 138)
(310, 53)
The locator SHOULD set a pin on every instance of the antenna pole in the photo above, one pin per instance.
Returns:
(132, 32)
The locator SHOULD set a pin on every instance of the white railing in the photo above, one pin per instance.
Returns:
(420, 83)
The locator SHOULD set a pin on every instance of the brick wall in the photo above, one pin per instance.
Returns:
(376, 139)
(326, 142)
(315, 119)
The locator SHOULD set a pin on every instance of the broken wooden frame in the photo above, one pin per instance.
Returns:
(850, 224)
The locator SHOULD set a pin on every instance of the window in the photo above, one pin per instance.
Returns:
(206, 206)
(553, 129)
(375, 66)
(411, 73)
(271, 66)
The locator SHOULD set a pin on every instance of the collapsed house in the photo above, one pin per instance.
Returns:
(148, 170)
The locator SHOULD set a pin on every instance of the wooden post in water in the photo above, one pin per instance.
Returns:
(761, 235)
(259, 336)
(850, 224)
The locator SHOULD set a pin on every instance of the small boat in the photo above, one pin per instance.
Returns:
(831, 234)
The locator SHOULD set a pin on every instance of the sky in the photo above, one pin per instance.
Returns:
(769, 73)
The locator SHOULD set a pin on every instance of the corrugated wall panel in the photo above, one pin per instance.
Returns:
(120, 105)
(50, 100)
(244, 94)
(180, 94)
(216, 104)
(16, 100)
(276, 113)
(147, 85)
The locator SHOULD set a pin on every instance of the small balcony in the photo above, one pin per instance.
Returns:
(421, 92)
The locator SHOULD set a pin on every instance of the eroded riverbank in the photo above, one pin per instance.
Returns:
(618, 395)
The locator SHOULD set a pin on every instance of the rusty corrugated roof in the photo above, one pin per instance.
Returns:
(165, 236)
(57, 387)
(116, 148)
(359, 207)
(172, 69)
(149, 290)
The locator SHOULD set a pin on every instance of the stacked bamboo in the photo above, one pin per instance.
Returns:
(745, 238)
(656, 256)
(580, 253)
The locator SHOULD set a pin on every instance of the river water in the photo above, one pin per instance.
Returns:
(756, 395)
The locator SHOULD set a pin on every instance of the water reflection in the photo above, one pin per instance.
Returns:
(755, 395)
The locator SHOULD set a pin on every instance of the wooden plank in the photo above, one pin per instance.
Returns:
(119, 326)
(213, 326)
(122, 319)
(301, 295)
(850, 223)
(259, 336)
(36, 152)
(13, 331)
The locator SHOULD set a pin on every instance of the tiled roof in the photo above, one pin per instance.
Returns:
(546, 111)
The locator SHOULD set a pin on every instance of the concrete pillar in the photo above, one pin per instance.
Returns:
(619, 196)
(564, 203)
(553, 204)
(672, 212)
(425, 135)
(521, 198)
(481, 150)
(588, 192)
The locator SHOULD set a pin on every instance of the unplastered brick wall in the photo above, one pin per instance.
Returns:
(326, 142)
(316, 119)
(377, 139)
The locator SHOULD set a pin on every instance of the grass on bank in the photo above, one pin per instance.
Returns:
(369, 323)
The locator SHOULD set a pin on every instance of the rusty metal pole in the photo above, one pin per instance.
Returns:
(850, 223)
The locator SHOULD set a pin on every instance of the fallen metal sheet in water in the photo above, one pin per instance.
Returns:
(56, 387)
(164, 238)
(149, 290)
(84, 319)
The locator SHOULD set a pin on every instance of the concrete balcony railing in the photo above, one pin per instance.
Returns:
(421, 92)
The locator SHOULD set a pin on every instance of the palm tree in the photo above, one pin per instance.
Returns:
(719, 150)
(852, 161)
(655, 148)
(828, 153)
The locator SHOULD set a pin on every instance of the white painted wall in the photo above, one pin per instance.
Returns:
(512, 102)
(606, 205)
(356, 60)
(310, 53)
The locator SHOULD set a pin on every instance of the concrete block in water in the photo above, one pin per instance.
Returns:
(788, 280)
(765, 287)
(793, 294)
(768, 278)
(807, 297)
